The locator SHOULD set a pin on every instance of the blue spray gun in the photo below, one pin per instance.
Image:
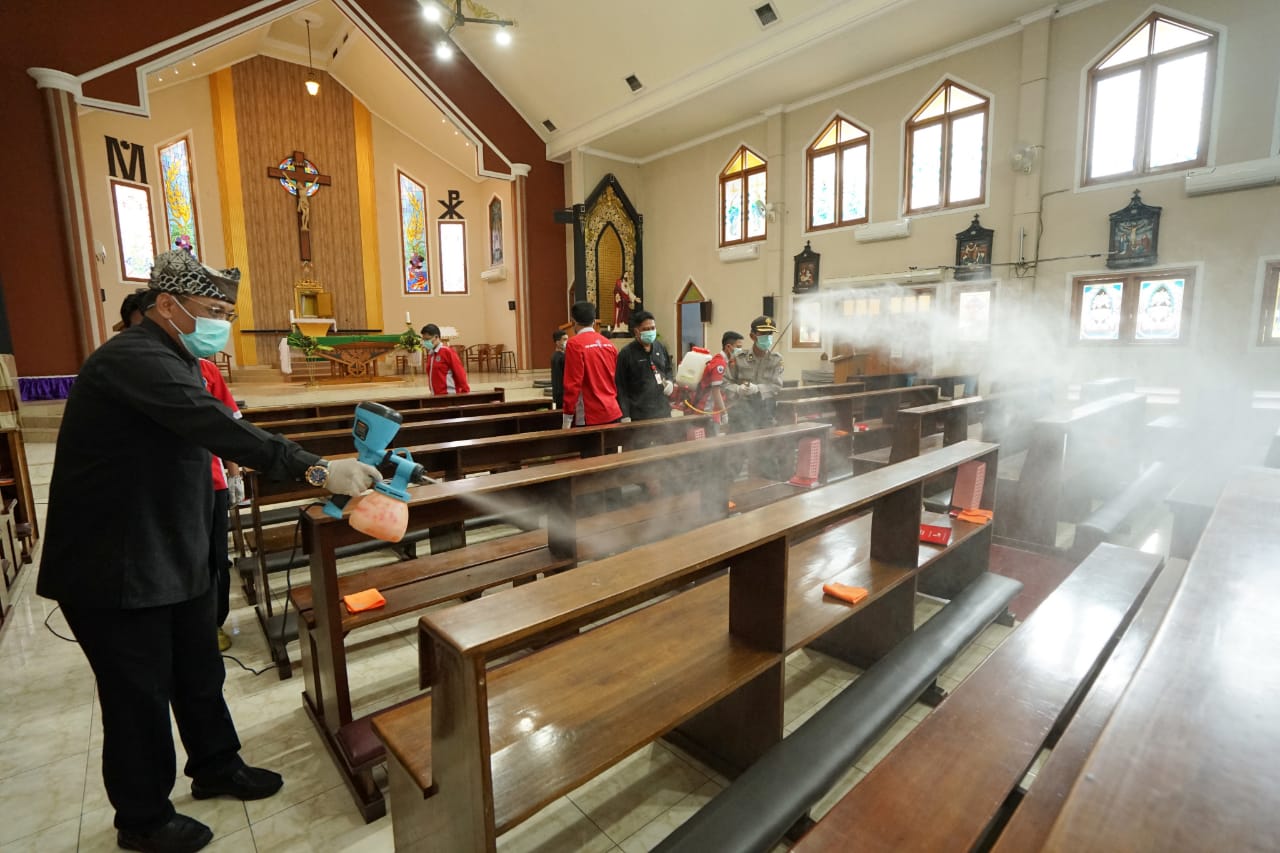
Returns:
(374, 428)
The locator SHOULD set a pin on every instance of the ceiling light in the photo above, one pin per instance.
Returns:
(312, 82)
(193, 63)
(431, 12)
(444, 51)
(502, 37)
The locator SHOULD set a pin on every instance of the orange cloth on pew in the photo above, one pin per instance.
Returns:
(366, 599)
(976, 516)
(844, 592)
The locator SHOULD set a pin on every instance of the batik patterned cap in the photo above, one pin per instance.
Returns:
(181, 274)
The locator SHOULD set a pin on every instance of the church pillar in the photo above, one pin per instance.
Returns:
(1033, 100)
(519, 264)
(61, 90)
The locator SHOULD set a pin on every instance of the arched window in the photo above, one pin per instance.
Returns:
(947, 150)
(742, 199)
(1150, 99)
(839, 160)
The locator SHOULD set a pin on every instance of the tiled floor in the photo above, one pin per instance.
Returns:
(51, 793)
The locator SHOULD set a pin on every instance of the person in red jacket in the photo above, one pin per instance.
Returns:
(444, 369)
(590, 361)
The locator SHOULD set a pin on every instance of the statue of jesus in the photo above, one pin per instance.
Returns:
(304, 205)
(624, 300)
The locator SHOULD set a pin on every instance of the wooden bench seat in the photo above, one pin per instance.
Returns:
(708, 659)
(756, 810)
(1144, 493)
(972, 751)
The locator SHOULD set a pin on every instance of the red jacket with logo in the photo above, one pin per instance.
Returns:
(445, 371)
(590, 393)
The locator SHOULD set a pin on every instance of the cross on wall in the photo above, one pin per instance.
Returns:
(302, 181)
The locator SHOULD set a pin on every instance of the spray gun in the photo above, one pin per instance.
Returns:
(384, 512)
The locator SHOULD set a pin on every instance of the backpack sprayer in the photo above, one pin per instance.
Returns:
(384, 512)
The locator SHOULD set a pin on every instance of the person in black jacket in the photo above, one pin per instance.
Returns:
(126, 551)
(644, 373)
(560, 337)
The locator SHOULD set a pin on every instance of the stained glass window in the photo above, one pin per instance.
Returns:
(1142, 308)
(1150, 99)
(134, 235)
(1100, 318)
(413, 235)
(973, 315)
(453, 256)
(179, 195)
(838, 161)
(947, 150)
(743, 199)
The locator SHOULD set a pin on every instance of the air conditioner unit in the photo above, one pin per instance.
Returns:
(498, 273)
(916, 276)
(874, 231)
(744, 252)
(1234, 176)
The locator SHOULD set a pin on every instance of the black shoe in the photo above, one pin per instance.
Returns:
(181, 834)
(246, 783)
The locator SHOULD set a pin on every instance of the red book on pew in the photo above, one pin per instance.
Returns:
(935, 535)
(970, 478)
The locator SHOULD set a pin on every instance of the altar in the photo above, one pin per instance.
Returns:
(351, 356)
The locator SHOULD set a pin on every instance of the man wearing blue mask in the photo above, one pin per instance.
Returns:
(644, 374)
(756, 378)
(126, 551)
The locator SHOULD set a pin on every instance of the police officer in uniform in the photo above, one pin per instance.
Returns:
(755, 378)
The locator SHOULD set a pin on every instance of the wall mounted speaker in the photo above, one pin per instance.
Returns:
(704, 312)
(511, 305)
(767, 306)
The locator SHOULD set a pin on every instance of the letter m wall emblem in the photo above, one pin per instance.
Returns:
(135, 169)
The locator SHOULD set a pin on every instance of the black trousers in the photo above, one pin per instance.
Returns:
(219, 563)
(145, 661)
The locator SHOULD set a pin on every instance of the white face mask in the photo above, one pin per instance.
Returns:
(208, 337)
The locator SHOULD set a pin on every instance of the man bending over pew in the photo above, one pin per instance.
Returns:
(126, 554)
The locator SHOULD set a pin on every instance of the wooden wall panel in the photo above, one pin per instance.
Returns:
(275, 116)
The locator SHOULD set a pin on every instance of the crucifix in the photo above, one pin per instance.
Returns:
(294, 176)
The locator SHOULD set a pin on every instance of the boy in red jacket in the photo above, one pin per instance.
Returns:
(444, 369)
(590, 360)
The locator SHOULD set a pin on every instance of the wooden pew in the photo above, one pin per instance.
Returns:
(878, 409)
(971, 752)
(806, 392)
(1187, 760)
(451, 460)
(465, 765)
(953, 386)
(947, 421)
(568, 493)
(1087, 453)
(301, 426)
(255, 414)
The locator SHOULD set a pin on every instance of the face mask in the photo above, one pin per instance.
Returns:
(429, 346)
(649, 336)
(737, 351)
(210, 335)
(764, 341)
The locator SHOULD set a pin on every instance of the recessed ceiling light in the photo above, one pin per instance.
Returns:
(431, 12)
(444, 51)
(193, 63)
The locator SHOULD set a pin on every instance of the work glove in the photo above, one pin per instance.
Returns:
(566, 421)
(749, 389)
(351, 477)
(668, 387)
(235, 489)
(625, 421)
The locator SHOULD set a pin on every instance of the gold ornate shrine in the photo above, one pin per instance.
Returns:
(608, 254)
(310, 299)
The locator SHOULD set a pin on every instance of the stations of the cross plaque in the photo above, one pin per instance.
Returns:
(302, 179)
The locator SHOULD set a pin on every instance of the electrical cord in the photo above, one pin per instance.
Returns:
(55, 609)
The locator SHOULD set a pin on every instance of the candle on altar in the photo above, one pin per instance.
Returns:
(406, 318)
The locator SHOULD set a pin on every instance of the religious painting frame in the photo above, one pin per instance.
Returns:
(1134, 235)
(178, 190)
(973, 252)
(126, 195)
(807, 264)
(414, 242)
(806, 322)
(495, 231)
(613, 278)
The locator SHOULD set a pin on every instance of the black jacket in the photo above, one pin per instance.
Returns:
(557, 379)
(131, 497)
(639, 394)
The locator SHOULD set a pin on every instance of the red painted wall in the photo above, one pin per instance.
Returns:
(37, 283)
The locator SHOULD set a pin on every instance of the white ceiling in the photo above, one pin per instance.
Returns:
(706, 65)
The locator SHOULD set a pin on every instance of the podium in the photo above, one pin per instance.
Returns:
(849, 367)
